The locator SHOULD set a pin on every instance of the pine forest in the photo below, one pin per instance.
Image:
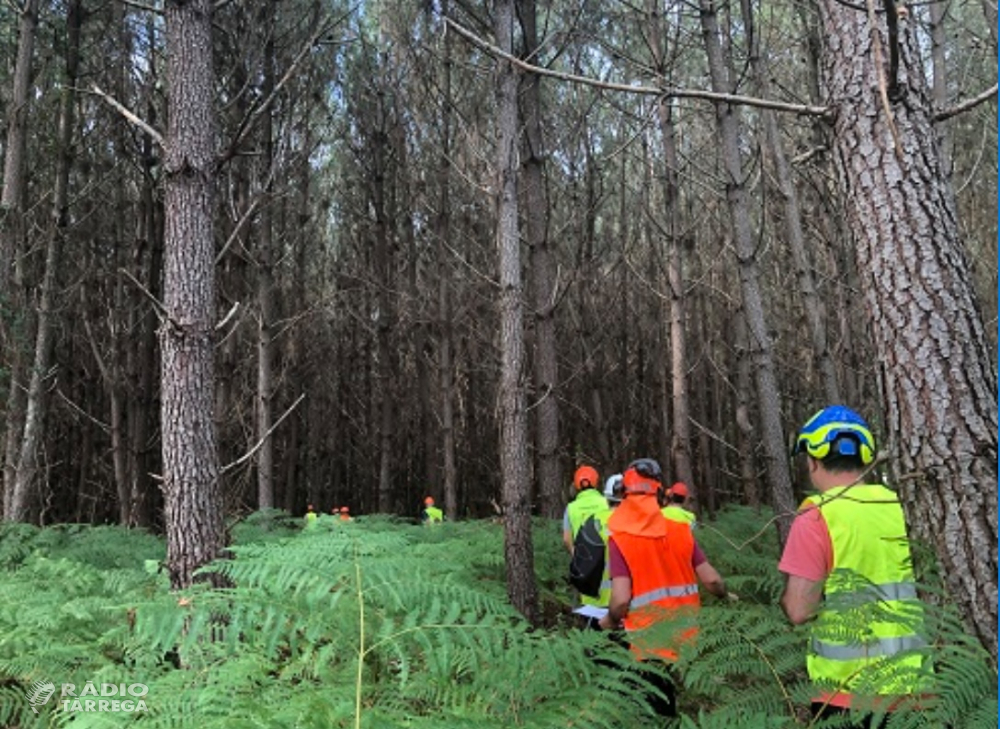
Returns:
(274, 274)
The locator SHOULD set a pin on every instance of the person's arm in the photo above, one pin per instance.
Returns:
(621, 596)
(711, 579)
(801, 598)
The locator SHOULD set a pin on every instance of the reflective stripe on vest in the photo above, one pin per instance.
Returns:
(881, 647)
(652, 596)
(871, 612)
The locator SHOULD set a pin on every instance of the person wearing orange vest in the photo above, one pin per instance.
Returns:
(655, 568)
(848, 563)
(345, 513)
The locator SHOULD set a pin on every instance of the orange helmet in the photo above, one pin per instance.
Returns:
(429, 501)
(344, 510)
(585, 478)
(679, 489)
(643, 476)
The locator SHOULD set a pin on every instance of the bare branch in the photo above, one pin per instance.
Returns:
(249, 454)
(115, 104)
(670, 93)
(967, 104)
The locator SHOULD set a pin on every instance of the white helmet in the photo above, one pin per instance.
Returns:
(613, 488)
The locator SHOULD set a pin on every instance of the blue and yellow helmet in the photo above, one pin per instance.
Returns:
(836, 430)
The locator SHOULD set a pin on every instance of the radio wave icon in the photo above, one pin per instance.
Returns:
(39, 694)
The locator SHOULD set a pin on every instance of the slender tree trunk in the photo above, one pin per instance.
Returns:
(939, 87)
(266, 304)
(772, 434)
(792, 217)
(446, 376)
(515, 476)
(191, 483)
(34, 422)
(13, 338)
(680, 441)
(746, 442)
(937, 377)
(543, 277)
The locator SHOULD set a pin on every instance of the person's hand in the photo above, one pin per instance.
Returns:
(606, 623)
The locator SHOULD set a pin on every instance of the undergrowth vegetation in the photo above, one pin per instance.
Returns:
(379, 623)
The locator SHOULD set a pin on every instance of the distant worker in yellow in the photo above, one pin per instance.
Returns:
(431, 514)
(677, 499)
(311, 517)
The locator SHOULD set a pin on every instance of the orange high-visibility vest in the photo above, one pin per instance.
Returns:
(665, 599)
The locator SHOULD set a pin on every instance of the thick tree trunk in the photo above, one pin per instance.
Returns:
(745, 246)
(938, 380)
(191, 487)
(543, 278)
(515, 474)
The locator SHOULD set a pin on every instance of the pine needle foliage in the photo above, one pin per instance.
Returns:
(378, 623)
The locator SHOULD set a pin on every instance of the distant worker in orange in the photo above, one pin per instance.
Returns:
(431, 514)
(675, 510)
(345, 514)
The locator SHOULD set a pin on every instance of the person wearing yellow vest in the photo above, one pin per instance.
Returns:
(655, 567)
(589, 501)
(677, 497)
(432, 514)
(311, 517)
(848, 567)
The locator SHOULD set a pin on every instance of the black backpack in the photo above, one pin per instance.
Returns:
(586, 569)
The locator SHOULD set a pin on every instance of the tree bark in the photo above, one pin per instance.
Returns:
(680, 440)
(37, 401)
(515, 476)
(191, 487)
(12, 242)
(938, 380)
(759, 340)
(446, 377)
(543, 277)
(267, 309)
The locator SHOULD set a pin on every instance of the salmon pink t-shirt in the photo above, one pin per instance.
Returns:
(808, 551)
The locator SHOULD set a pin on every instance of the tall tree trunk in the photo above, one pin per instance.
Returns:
(191, 485)
(937, 377)
(34, 420)
(772, 435)
(446, 376)
(792, 216)
(514, 471)
(680, 441)
(939, 87)
(13, 339)
(267, 307)
(543, 277)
